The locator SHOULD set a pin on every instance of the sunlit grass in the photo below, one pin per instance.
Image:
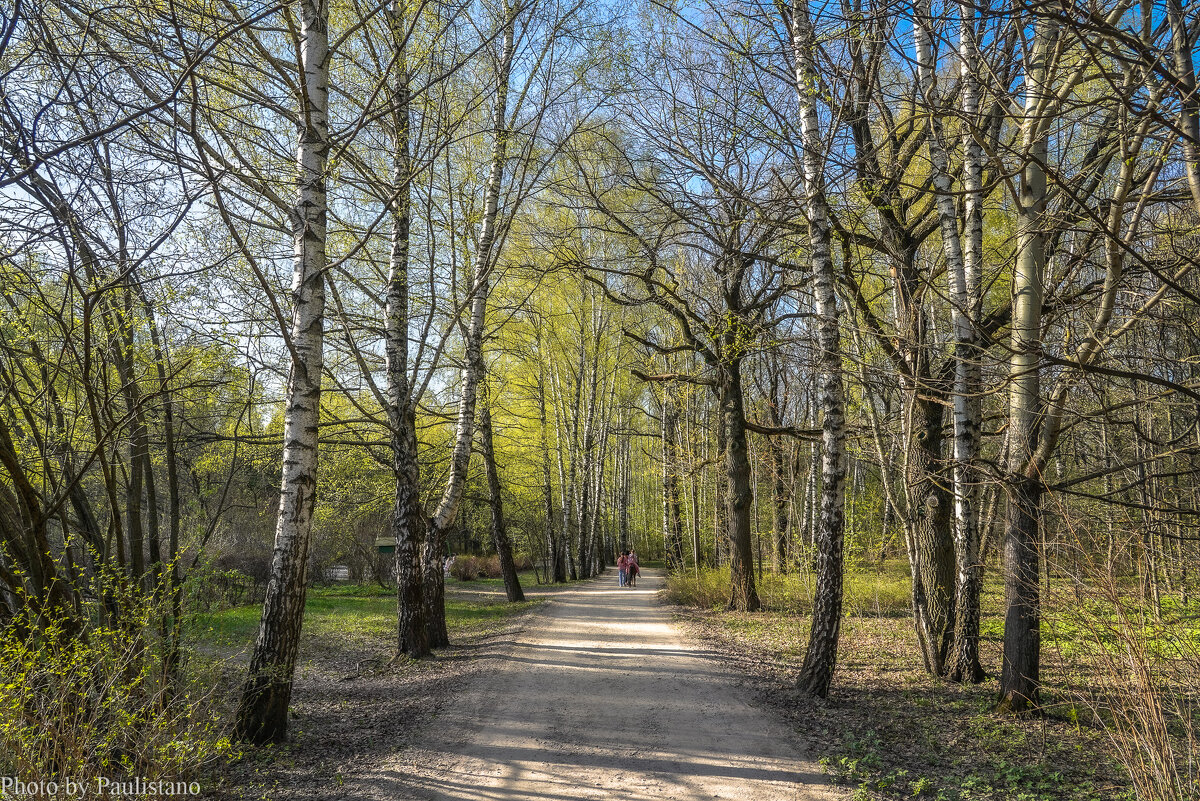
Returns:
(358, 615)
(873, 591)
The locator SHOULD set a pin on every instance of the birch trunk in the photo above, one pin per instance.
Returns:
(968, 374)
(820, 658)
(586, 497)
(407, 522)
(939, 635)
(263, 709)
(557, 567)
(447, 509)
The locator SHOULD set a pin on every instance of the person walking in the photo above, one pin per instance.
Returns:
(622, 568)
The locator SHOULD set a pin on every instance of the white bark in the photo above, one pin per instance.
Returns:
(964, 300)
(262, 714)
(821, 655)
(464, 432)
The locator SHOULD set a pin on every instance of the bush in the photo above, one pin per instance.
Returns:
(100, 704)
(707, 590)
(469, 568)
(465, 568)
(490, 567)
(1140, 674)
(212, 588)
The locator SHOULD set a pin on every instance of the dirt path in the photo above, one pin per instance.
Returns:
(601, 697)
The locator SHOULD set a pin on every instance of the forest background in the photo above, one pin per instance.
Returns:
(776, 293)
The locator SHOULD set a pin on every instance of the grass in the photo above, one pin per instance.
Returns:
(889, 730)
(875, 591)
(353, 617)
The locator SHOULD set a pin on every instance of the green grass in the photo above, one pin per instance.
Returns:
(872, 591)
(359, 615)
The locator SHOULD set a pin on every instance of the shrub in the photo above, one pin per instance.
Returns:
(1142, 674)
(709, 589)
(100, 704)
(465, 568)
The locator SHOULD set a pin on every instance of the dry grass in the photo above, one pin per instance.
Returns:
(891, 731)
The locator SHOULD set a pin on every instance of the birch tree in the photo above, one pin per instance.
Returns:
(962, 269)
(820, 658)
(262, 713)
(443, 516)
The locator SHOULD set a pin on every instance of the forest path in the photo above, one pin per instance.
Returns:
(601, 696)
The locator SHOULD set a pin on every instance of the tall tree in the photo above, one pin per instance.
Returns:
(447, 508)
(262, 713)
(500, 540)
(672, 515)
(408, 526)
(820, 658)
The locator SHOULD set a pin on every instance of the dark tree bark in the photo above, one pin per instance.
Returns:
(933, 561)
(672, 514)
(512, 584)
(408, 522)
(1019, 676)
(738, 498)
(781, 496)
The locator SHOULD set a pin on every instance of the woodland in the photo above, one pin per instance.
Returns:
(779, 294)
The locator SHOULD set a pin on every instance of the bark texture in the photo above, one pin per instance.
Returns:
(820, 658)
(408, 526)
(1022, 536)
(460, 457)
(966, 297)
(672, 507)
(262, 713)
(512, 585)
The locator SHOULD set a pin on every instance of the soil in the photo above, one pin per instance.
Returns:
(597, 694)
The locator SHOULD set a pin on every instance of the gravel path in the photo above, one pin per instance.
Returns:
(601, 696)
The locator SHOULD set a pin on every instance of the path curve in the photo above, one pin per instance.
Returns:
(601, 696)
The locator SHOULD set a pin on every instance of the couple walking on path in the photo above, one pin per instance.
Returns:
(627, 566)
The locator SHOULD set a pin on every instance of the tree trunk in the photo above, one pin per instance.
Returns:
(720, 495)
(1189, 104)
(557, 567)
(738, 498)
(966, 307)
(1022, 536)
(932, 547)
(512, 585)
(262, 713)
(820, 658)
(447, 510)
(586, 497)
(672, 515)
(408, 525)
(780, 500)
